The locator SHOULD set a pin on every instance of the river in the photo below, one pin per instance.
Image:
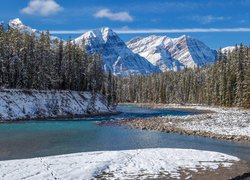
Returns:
(45, 138)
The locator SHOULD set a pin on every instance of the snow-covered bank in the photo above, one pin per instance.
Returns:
(213, 122)
(225, 121)
(129, 164)
(23, 104)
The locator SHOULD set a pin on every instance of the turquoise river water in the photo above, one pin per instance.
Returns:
(45, 138)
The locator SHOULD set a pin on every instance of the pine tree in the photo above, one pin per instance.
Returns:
(240, 76)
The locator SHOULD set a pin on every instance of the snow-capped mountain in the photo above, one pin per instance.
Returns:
(227, 49)
(117, 57)
(173, 53)
(17, 24)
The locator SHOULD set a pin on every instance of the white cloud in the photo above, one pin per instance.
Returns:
(209, 18)
(118, 16)
(151, 31)
(42, 7)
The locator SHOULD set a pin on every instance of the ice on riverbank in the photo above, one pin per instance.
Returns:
(28, 104)
(129, 164)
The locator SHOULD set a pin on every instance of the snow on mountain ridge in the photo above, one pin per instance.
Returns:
(192, 52)
(173, 53)
(227, 49)
(153, 49)
(17, 24)
(117, 57)
(100, 34)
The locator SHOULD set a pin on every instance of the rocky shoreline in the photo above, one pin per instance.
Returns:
(238, 171)
(183, 124)
(166, 125)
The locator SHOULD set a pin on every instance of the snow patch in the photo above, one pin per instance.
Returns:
(129, 164)
(225, 121)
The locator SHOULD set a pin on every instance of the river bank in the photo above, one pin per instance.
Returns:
(71, 117)
(213, 122)
(165, 163)
(23, 105)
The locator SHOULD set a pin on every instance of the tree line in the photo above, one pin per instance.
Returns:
(44, 63)
(225, 83)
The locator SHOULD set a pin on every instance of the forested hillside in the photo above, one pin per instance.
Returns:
(45, 63)
(226, 83)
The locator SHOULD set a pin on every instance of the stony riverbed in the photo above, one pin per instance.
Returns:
(222, 123)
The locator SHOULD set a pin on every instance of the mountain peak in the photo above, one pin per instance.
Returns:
(173, 53)
(185, 37)
(105, 29)
(101, 31)
(116, 56)
(17, 24)
(106, 32)
(102, 34)
(16, 21)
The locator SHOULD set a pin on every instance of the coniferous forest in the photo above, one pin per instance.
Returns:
(225, 83)
(44, 63)
(28, 62)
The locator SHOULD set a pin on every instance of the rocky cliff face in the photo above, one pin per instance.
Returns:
(117, 57)
(173, 53)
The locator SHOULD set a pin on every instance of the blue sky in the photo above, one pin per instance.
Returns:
(132, 18)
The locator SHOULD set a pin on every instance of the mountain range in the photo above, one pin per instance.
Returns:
(173, 53)
(140, 55)
(117, 57)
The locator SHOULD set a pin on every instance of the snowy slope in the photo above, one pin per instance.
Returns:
(227, 49)
(117, 57)
(173, 53)
(21, 104)
(17, 24)
(129, 164)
